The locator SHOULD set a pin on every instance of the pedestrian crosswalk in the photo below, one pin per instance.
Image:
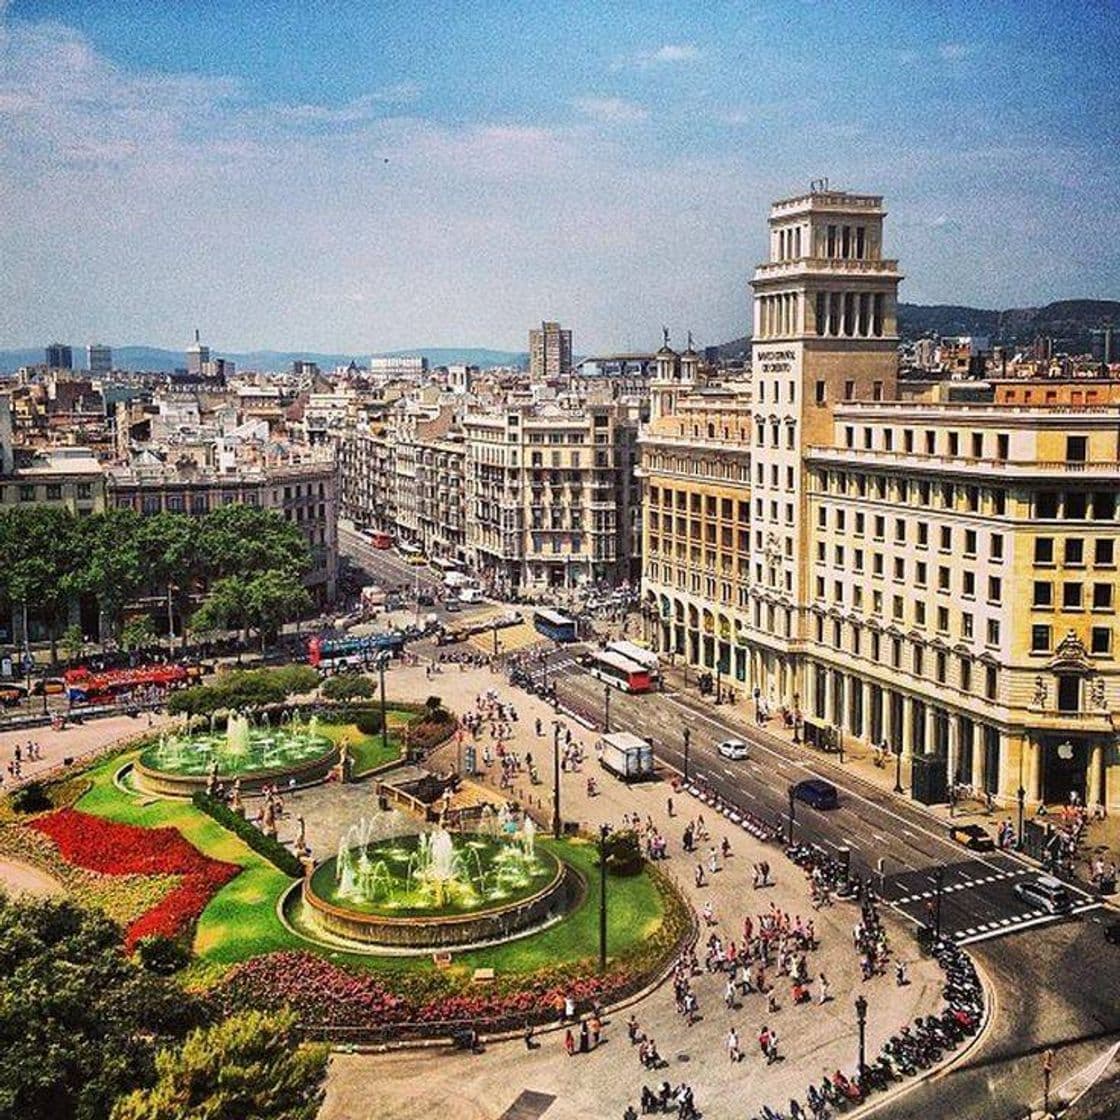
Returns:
(985, 931)
(967, 884)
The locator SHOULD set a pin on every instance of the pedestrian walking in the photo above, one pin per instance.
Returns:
(823, 982)
(569, 1042)
(669, 806)
(733, 1052)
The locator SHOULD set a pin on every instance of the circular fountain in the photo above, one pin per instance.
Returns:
(181, 762)
(436, 890)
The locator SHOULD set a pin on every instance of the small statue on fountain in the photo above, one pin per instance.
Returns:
(212, 779)
(345, 764)
(268, 823)
(301, 837)
(235, 802)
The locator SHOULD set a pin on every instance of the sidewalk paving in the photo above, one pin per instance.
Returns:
(814, 1038)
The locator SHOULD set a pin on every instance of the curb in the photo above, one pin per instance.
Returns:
(955, 1058)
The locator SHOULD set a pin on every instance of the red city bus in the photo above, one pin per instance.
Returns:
(380, 540)
(619, 672)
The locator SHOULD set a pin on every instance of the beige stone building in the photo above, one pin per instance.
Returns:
(937, 576)
(550, 494)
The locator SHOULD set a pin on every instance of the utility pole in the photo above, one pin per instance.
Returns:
(791, 802)
(606, 709)
(898, 769)
(687, 740)
(1047, 1071)
(1021, 794)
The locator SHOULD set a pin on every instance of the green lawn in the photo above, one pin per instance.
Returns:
(241, 921)
(367, 750)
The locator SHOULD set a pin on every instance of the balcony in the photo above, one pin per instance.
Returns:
(828, 266)
(962, 464)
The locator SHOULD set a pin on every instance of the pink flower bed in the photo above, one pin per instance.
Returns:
(124, 849)
(324, 995)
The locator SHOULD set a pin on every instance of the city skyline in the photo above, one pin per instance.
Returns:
(373, 187)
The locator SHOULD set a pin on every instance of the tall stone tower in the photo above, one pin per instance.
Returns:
(824, 332)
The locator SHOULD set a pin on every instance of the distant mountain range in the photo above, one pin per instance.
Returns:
(1068, 322)
(155, 359)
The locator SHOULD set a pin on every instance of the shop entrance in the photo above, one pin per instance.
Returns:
(1065, 764)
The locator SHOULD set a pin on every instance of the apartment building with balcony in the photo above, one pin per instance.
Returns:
(551, 494)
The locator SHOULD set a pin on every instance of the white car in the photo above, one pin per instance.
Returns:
(733, 748)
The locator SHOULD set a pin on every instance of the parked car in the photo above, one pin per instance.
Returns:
(817, 792)
(1045, 892)
(972, 836)
(452, 605)
(733, 748)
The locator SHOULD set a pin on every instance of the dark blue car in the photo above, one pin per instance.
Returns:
(816, 792)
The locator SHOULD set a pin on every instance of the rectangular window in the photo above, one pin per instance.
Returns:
(820, 392)
(1076, 449)
(1071, 596)
(1074, 552)
(1102, 596)
(995, 589)
(1069, 693)
(1043, 594)
(1040, 639)
(1044, 550)
(993, 632)
(1101, 639)
(990, 682)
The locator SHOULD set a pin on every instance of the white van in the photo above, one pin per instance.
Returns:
(471, 595)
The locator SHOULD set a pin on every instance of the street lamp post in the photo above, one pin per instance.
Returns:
(898, 769)
(495, 637)
(606, 709)
(791, 816)
(557, 827)
(381, 658)
(1021, 794)
(840, 742)
(719, 680)
(687, 740)
(861, 1021)
(604, 832)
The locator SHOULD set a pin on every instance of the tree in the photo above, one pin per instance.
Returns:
(138, 632)
(72, 642)
(348, 687)
(168, 548)
(41, 550)
(238, 540)
(262, 602)
(249, 1065)
(79, 1022)
(113, 568)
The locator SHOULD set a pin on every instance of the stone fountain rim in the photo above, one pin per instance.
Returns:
(317, 902)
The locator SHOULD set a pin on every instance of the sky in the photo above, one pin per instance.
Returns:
(359, 177)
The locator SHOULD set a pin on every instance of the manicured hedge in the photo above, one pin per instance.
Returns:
(266, 846)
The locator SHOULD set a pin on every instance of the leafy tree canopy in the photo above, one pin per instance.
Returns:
(79, 1022)
(249, 1065)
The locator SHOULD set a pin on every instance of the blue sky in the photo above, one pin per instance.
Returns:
(372, 176)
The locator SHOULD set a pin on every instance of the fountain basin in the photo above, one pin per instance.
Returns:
(402, 916)
(270, 757)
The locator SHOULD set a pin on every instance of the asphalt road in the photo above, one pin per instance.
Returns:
(1057, 981)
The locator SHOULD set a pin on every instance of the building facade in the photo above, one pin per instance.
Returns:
(550, 494)
(938, 576)
(550, 352)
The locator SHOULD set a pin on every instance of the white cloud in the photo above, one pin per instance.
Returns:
(953, 52)
(668, 55)
(610, 110)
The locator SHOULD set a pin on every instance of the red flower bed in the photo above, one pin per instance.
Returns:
(123, 849)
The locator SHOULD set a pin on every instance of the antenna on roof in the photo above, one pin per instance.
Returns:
(816, 185)
(196, 334)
